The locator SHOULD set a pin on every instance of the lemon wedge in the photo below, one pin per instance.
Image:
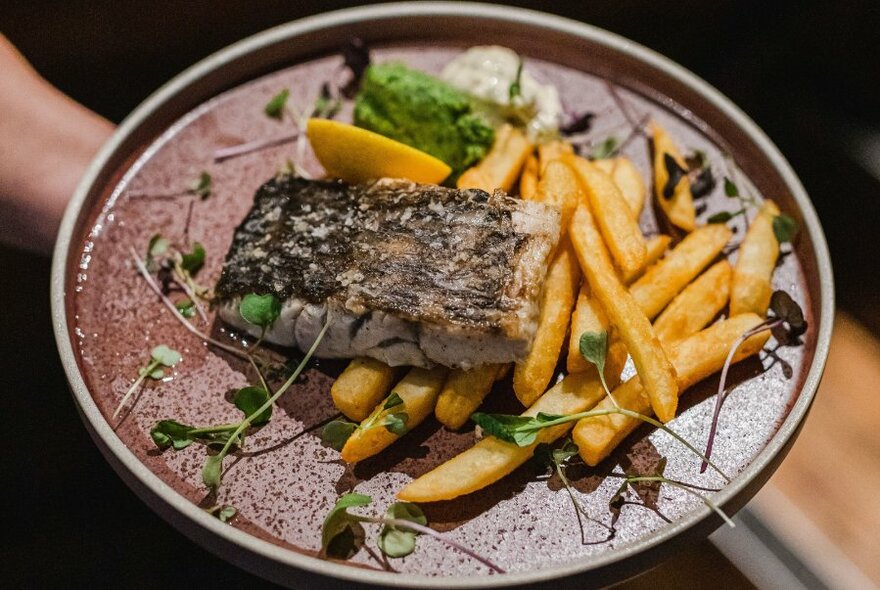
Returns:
(356, 155)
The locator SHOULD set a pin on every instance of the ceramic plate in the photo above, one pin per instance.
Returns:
(107, 320)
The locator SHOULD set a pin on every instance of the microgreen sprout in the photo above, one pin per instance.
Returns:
(523, 430)
(181, 268)
(337, 432)
(212, 471)
(254, 402)
(515, 89)
(605, 149)
(392, 416)
(275, 108)
(594, 348)
(161, 357)
(658, 477)
(731, 191)
(223, 512)
(260, 310)
(784, 226)
(202, 186)
(786, 324)
(557, 460)
(326, 105)
(342, 533)
(154, 286)
(186, 307)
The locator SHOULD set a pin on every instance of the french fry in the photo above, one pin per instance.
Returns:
(418, 390)
(560, 188)
(532, 375)
(613, 216)
(491, 459)
(655, 248)
(628, 179)
(663, 281)
(679, 206)
(463, 393)
(696, 305)
(552, 150)
(751, 287)
(362, 385)
(588, 316)
(695, 358)
(625, 315)
(528, 180)
(501, 166)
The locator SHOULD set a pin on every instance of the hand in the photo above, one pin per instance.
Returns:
(46, 143)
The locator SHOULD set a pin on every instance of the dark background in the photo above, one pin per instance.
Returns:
(806, 72)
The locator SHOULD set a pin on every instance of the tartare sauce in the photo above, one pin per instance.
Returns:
(486, 72)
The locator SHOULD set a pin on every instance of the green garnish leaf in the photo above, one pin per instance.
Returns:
(275, 107)
(211, 471)
(226, 513)
(260, 310)
(191, 262)
(393, 400)
(251, 399)
(519, 430)
(730, 189)
(186, 307)
(157, 246)
(568, 450)
(398, 542)
(784, 228)
(342, 533)
(605, 149)
(515, 88)
(326, 106)
(720, 217)
(594, 348)
(337, 432)
(169, 433)
(396, 423)
(202, 186)
(165, 356)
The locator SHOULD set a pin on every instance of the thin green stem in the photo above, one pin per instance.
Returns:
(177, 315)
(247, 421)
(217, 428)
(681, 486)
(182, 278)
(635, 415)
(144, 373)
(605, 387)
(401, 523)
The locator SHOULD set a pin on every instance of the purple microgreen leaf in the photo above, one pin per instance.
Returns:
(578, 124)
(356, 57)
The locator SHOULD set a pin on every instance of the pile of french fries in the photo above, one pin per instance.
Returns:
(654, 303)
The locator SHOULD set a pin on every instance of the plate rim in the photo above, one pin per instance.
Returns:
(172, 505)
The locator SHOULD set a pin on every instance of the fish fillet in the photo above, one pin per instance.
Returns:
(408, 274)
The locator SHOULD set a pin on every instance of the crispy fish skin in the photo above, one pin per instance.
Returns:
(408, 274)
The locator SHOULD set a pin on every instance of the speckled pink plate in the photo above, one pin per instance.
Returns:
(106, 319)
